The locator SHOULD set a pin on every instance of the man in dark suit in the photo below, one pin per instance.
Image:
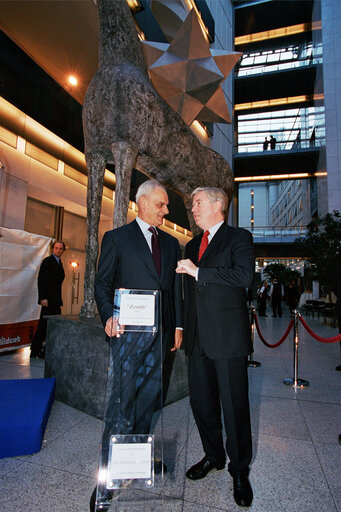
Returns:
(138, 256)
(50, 278)
(129, 259)
(219, 266)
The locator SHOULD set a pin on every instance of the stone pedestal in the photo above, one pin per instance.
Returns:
(77, 356)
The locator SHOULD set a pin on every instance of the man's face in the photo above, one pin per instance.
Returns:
(58, 249)
(205, 212)
(153, 207)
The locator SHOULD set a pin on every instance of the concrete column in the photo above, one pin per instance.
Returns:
(331, 23)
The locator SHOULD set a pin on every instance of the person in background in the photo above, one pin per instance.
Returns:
(272, 142)
(293, 296)
(263, 295)
(265, 144)
(50, 278)
(276, 293)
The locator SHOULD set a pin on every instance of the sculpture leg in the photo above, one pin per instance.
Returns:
(188, 205)
(96, 166)
(125, 158)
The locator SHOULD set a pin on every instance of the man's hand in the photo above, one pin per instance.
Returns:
(44, 302)
(186, 267)
(111, 328)
(177, 339)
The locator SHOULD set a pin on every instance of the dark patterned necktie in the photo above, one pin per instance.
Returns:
(156, 249)
(203, 244)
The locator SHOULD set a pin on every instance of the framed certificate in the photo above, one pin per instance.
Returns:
(137, 310)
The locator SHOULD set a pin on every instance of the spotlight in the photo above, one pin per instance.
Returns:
(72, 80)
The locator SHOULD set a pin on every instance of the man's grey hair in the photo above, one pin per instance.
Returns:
(214, 194)
(146, 188)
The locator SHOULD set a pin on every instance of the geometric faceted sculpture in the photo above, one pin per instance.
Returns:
(188, 75)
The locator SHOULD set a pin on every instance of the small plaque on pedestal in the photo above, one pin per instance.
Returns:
(130, 458)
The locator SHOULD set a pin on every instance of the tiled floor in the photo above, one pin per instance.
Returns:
(297, 458)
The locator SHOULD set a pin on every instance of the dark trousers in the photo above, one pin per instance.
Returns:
(133, 388)
(216, 384)
(276, 307)
(262, 306)
(40, 334)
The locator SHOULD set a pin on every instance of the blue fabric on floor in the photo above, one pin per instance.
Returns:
(25, 406)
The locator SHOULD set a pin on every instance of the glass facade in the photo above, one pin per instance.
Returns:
(293, 128)
(273, 208)
(290, 57)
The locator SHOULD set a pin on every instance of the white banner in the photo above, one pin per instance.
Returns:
(21, 254)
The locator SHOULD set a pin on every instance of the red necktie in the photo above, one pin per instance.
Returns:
(204, 244)
(156, 249)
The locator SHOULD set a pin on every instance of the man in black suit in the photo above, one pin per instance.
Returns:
(127, 261)
(138, 256)
(130, 260)
(50, 278)
(219, 266)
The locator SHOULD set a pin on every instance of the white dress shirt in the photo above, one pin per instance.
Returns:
(144, 226)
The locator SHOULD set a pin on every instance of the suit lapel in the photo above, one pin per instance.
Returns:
(214, 242)
(140, 246)
(164, 254)
(59, 266)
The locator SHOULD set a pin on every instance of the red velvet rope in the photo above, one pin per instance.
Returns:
(318, 338)
(283, 338)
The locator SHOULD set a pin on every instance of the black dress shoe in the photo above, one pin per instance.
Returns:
(202, 468)
(242, 491)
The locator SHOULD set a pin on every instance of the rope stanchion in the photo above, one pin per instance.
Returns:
(252, 363)
(283, 338)
(316, 336)
(296, 382)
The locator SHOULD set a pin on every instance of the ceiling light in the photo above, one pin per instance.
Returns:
(279, 101)
(72, 80)
(288, 176)
(278, 32)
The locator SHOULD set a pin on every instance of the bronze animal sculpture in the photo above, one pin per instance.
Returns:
(126, 123)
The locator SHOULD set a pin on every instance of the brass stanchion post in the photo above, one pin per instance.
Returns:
(296, 382)
(251, 362)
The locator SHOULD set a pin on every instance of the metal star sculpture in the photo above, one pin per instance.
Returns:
(188, 75)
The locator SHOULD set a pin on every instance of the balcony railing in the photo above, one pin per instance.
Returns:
(288, 145)
(261, 69)
(277, 231)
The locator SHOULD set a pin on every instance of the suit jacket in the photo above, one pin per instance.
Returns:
(126, 262)
(50, 278)
(216, 305)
